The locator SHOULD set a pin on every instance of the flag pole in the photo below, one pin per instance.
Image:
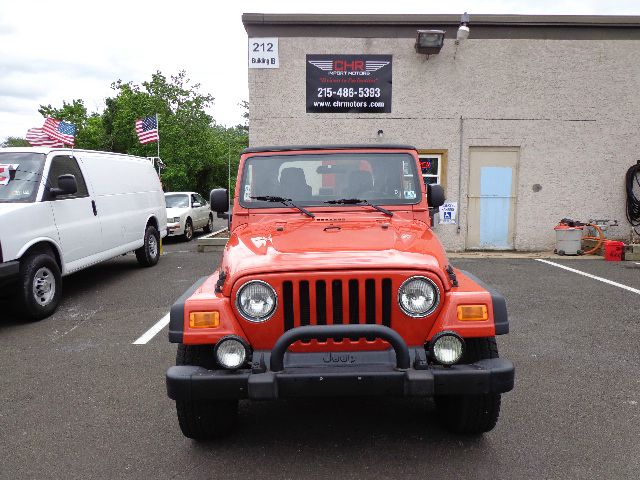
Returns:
(158, 127)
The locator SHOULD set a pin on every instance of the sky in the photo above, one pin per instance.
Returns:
(53, 51)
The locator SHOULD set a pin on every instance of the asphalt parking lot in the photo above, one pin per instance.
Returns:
(78, 399)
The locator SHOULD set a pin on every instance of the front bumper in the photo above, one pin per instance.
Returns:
(399, 371)
(174, 229)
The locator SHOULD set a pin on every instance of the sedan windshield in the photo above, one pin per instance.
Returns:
(319, 179)
(177, 201)
(20, 175)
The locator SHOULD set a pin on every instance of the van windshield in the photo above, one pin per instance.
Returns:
(315, 179)
(20, 175)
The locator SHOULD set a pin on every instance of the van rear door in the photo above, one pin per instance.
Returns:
(75, 215)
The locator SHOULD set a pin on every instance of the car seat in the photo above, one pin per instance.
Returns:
(293, 184)
(359, 182)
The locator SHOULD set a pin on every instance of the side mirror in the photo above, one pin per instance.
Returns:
(67, 185)
(196, 205)
(435, 195)
(219, 200)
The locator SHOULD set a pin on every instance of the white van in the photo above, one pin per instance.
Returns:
(62, 210)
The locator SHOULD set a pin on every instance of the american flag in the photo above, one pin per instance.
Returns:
(147, 129)
(37, 138)
(59, 130)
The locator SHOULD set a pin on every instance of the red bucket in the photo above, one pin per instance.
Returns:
(613, 251)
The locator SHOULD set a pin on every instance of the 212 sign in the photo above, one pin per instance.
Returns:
(263, 53)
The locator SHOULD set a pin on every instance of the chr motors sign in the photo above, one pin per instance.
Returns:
(348, 83)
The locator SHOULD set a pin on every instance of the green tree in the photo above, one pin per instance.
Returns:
(90, 132)
(193, 147)
(14, 142)
(244, 105)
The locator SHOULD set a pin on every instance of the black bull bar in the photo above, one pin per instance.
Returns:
(399, 371)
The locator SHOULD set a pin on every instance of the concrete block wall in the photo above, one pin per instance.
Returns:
(570, 106)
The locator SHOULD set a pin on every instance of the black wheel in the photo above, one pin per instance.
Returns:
(561, 252)
(40, 286)
(471, 414)
(188, 230)
(204, 419)
(149, 254)
(208, 228)
(580, 252)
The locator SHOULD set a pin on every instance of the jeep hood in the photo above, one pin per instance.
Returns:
(317, 244)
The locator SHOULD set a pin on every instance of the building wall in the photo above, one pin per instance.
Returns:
(571, 106)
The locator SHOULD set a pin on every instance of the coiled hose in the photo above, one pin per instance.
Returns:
(633, 202)
(599, 239)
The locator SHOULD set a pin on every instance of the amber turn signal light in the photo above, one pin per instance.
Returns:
(472, 313)
(204, 319)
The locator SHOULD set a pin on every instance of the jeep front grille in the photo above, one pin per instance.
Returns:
(337, 302)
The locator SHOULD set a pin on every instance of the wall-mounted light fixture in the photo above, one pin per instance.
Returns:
(429, 41)
(463, 29)
(380, 133)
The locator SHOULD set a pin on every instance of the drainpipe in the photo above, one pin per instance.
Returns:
(460, 171)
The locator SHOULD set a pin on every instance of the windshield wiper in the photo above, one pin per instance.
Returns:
(357, 201)
(285, 201)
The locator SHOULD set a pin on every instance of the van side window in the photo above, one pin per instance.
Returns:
(64, 165)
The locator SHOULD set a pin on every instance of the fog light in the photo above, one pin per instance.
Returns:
(204, 319)
(472, 313)
(447, 348)
(231, 352)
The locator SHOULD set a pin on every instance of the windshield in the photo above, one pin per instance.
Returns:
(315, 179)
(177, 201)
(20, 175)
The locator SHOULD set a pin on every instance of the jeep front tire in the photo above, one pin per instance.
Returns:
(471, 414)
(204, 419)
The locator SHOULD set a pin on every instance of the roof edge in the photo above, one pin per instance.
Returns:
(440, 19)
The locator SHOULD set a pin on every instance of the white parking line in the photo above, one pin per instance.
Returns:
(153, 331)
(600, 279)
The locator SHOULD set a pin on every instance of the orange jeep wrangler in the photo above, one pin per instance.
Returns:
(333, 283)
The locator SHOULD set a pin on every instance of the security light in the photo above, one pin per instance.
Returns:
(429, 41)
(463, 29)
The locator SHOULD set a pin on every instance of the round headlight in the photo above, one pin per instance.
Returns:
(447, 348)
(418, 296)
(231, 352)
(256, 301)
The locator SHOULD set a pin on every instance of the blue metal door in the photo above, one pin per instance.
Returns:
(495, 207)
(491, 208)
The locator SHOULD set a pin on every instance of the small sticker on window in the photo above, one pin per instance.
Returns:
(411, 194)
(7, 172)
(247, 193)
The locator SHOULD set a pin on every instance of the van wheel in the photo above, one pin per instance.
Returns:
(149, 254)
(188, 230)
(40, 286)
(471, 414)
(204, 419)
(208, 228)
